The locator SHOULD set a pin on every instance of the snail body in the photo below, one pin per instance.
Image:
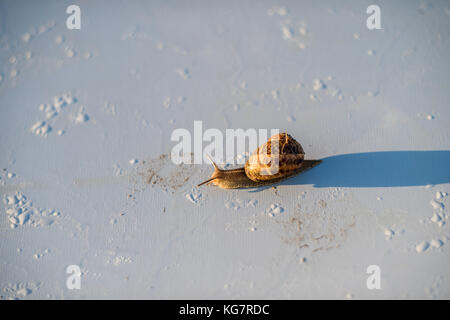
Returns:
(259, 169)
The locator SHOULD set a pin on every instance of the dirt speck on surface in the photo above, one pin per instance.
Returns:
(316, 229)
(163, 173)
(322, 203)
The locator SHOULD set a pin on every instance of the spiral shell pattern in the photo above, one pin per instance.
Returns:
(280, 157)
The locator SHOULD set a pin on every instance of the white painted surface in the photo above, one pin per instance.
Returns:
(86, 115)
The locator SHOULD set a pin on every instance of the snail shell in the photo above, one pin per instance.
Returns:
(279, 158)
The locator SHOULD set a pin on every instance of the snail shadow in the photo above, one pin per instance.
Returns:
(378, 169)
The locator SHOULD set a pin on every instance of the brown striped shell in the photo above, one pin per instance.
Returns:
(280, 157)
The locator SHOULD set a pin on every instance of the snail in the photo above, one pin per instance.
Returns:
(259, 169)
